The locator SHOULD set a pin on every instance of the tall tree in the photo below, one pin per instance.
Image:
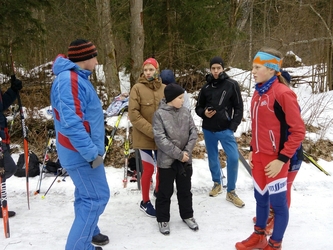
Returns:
(112, 83)
(137, 39)
(19, 28)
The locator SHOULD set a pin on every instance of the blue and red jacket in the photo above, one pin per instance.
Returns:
(268, 131)
(77, 113)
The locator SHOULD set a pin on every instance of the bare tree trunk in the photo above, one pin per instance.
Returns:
(330, 53)
(245, 7)
(112, 83)
(170, 35)
(137, 39)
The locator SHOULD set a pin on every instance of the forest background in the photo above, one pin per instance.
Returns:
(181, 34)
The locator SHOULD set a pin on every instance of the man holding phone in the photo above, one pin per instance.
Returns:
(220, 105)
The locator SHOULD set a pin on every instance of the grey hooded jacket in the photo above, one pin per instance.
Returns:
(174, 132)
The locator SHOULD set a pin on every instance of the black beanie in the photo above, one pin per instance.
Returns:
(217, 60)
(81, 50)
(171, 91)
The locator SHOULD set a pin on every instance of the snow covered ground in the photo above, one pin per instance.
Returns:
(221, 224)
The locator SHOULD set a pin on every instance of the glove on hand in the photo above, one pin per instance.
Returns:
(97, 162)
(16, 84)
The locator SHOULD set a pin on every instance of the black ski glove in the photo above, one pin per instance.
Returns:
(97, 162)
(16, 84)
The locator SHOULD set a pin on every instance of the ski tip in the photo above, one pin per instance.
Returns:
(36, 192)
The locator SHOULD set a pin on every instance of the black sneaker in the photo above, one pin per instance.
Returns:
(100, 239)
(10, 214)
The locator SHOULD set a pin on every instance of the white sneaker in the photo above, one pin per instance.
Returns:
(164, 227)
(191, 223)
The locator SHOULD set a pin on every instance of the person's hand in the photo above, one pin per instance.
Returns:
(16, 84)
(250, 160)
(273, 168)
(209, 113)
(185, 157)
(97, 162)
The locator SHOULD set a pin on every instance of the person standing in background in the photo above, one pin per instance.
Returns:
(79, 126)
(144, 100)
(220, 106)
(7, 99)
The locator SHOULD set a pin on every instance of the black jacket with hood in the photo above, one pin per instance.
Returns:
(224, 96)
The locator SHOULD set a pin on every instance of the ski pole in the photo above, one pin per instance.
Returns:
(316, 164)
(14, 113)
(3, 193)
(58, 174)
(48, 145)
(126, 153)
(24, 130)
(245, 163)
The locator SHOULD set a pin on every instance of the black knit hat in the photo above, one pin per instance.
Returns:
(217, 60)
(81, 50)
(171, 91)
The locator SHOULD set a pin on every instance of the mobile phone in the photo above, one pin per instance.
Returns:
(210, 108)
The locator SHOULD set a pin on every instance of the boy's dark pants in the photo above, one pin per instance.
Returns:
(167, 176)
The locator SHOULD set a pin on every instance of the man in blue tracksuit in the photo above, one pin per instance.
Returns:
(79, 124)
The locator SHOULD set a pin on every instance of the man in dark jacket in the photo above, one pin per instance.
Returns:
(220, 105)
(7, 99)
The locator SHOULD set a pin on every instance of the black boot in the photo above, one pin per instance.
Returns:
(100, 239)
(10, 213)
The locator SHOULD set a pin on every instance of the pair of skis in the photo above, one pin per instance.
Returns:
(126, 143)
(126, 153)
(114, 130)
(310, 158)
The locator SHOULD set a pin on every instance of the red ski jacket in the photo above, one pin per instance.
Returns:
(273, 115)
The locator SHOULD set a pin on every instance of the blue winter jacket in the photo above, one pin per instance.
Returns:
(77, 113)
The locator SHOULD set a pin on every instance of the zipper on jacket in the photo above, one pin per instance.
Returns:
(222, 97)
(271, 136)
(226, 114)
(255, 116)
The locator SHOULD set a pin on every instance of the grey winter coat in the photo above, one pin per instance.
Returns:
(174, 132)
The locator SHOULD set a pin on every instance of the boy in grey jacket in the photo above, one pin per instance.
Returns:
(175, 136)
